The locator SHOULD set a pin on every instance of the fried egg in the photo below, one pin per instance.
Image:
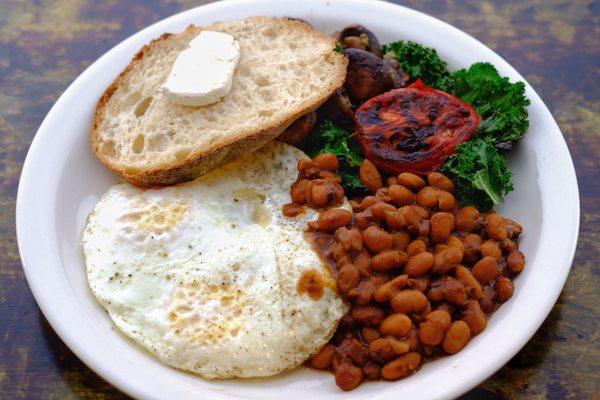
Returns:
(206, 275)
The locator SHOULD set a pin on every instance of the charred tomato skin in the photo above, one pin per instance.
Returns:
(413, 129)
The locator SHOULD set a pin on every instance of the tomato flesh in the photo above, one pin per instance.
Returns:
(413, 129)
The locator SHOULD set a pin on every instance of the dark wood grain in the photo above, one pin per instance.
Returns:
(555, 44)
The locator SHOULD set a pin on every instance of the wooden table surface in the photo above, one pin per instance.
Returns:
(555, 44)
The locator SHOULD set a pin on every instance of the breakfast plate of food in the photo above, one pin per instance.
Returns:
(263, 199)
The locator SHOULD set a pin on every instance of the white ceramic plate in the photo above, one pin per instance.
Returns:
(62, 180)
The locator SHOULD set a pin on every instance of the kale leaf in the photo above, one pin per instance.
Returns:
(330, 138)
(502, 105)
(479, 172)
(420, 62)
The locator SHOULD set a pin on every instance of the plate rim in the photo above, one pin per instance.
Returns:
(125, 385)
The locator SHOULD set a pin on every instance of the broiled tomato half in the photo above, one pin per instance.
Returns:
(413, 129)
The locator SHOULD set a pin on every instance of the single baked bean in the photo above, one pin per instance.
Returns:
(367, 314)
(348, 376)
(376, 239)
(401, 195)
(441, 181)
(415, 247)
(474, 317)
(401, 240)
(466, 219)
(515, 261)
(385, 292)
(368, 201)
(298, 191)
(323, 358)
(327, 161)
(392, 180)
(348, 278)
(369, 176)
(396, 324)
(508, 246)
(490, 248)
(428, 197)
(408, 301)
(496, 227)
(350, 239)
(321, 193)
(369, 334)
(456, 243)
(419, 264)
(486, 270)
(446, 201)
(469, 281)
(330, 220)
(457, 337)
(445, 260)
(362, 262)
(379, 210)
(371, 370)
(388, 259)
(513, 228)
(442, 224)
(504, 289)
(401, 366)
(411, 181)
(472, 244)
(432, 330)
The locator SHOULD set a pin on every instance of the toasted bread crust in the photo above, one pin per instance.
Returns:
(206, 159)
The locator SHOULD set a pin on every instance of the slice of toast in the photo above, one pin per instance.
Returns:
(286, 69)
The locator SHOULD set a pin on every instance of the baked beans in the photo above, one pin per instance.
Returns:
(421, 274)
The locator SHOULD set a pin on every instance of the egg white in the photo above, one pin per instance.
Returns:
(204, 275)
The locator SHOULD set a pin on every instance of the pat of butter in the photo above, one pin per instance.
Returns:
(203, 73)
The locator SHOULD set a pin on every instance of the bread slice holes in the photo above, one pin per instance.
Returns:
(262, 81)
(265, 113)
(131, 99)
(109, 148)
(142, 106)
(182, 154)
(138, 144)
(266, 95)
